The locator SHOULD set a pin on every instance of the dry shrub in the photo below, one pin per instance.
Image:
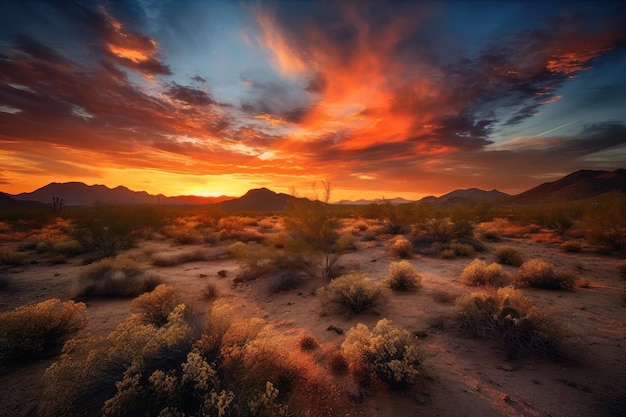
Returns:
(114, 276)
(337, 363)
(403, 277)
(387, 353)
(32, 330)
(541, 274)
(278, 281)
(158, 304)
(402, 247)
(210, 292)
(69, 248)
(512, 320)
(174, 259)
(124, 373)
(355, 292)
(477, 273)
(490, 234)
(455, 249)
(571, 246)
(11, 257)
(621, 268)
(509, 255)
(307, 342)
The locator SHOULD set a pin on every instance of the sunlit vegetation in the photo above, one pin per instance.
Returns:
(386, 353)
(117, 276)
(513, 321)
(478, 273)
(403, 276)
(509, 255)
(169, 359)
(353, 292)
(541, 274)
(156, 367)
(33, 330)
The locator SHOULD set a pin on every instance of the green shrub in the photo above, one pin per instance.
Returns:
(509, 255)
(387, 353)
(541, 274)
(512, 320)
(114, 276)
(477, 273)
(32, 330)
(402, 248)
(355, 292)
(403, 277)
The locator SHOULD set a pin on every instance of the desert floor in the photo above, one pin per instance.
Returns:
(462, 375)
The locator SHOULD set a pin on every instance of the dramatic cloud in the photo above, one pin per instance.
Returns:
(384, 98)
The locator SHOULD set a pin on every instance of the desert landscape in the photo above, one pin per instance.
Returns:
(312, 208)
(472, 307)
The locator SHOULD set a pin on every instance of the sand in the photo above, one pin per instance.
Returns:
(462, 375)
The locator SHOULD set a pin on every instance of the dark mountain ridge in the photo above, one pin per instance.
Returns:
(578, 185)
(80, 194)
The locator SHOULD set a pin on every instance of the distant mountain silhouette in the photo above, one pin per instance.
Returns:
(466, 195)
(80, 194)
(259, 199)
(9, 203)
(576, 186)
(363, 202)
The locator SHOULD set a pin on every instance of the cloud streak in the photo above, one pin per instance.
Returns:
(382, 98)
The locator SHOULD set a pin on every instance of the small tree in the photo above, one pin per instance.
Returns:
(317, 227)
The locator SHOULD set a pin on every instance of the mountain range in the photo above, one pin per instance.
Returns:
(577, 185)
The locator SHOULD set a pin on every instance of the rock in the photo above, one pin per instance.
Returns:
(222, 273)
(336, 329)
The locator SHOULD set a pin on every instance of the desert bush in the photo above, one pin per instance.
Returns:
(307, 342)
(317, 227)
(443, 297)
(512, 320)
(157, 305)
(11, 257)
(387, 353)
(337, 363)
(397, 219)
(174, 259)
(490, 234)
(461, 249)
(124, 373)
(509, 255)
(69, 248)
(114, 276)
(541, 274)
(441, 229)
(571, 246)
(403, 277)
(355, 292)
(477, 273)
(621, 268)
(402, 247)
(108, 229)
(281, 280)
(32, 330)
(210, 292)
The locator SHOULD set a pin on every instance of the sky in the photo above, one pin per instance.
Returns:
(381, 98)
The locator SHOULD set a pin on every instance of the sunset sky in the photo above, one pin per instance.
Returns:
(382, 98)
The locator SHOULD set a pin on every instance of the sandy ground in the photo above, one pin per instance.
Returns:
(462, 376)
